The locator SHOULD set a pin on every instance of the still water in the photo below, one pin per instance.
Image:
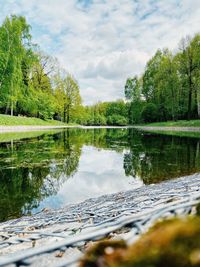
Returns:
(52, 169)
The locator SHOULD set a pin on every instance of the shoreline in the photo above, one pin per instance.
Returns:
(30, 128)
(168, 128)
(69, 230)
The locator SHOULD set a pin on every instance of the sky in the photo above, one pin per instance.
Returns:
(102, 42)
(100, 172)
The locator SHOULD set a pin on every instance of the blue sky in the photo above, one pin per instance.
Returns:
(102, 42)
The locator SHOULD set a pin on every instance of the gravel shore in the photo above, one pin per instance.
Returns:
(59, 237)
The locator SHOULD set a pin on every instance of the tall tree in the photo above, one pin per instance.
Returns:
(67, 95)
(188, 68)
(167, 87)
(149, 78)
(14, 42)
(133, 89)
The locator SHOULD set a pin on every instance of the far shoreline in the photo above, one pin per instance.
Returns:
(30, 128)
(168, 128)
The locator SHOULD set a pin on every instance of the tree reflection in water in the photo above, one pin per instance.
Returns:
(36, 168)
(156, 157)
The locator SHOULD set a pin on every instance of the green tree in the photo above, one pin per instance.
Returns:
(189, 65)
(133, 93)
(68, 96)
(149, 78)
(133, 89)
(14, 41)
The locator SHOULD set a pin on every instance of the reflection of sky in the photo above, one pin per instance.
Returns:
(100, 172)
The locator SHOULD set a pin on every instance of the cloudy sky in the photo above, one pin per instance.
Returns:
(102, 42)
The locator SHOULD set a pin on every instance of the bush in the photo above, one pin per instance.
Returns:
(150, 113)
(99, 120)
(117, 120)
(135, 114)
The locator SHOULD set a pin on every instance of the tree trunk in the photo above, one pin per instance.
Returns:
(198, 109)
(68, 116)
(11, 109)
(197, 101)
(189, 103)
(7, 108)
(67, 113)
(64, 115)
(190, 92)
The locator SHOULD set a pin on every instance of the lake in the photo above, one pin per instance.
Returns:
(51, 169)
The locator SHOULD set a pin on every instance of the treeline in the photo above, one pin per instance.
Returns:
(104, 113)
(169, 88)
(31, 82)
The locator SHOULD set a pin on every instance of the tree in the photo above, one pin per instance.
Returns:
(149, 78)
(150, 112)
(43, 71)
(171, 82)
(133, 93)
(167, 87)
(133, 89)
(14, 42)
(188, 68)
(195, 44)
(67, 95)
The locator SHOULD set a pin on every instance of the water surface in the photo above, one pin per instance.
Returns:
(50, 170)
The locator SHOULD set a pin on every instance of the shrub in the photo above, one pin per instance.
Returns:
(150, 112)
(117, 120)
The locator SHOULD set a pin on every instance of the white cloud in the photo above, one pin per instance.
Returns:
(104, 42)
(106, 175)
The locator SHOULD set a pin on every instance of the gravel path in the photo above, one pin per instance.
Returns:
(27, 128)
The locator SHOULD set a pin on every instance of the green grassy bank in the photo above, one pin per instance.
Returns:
(181, 123)
(7, 120)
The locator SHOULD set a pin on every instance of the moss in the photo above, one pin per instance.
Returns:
(101, 252)
(174, 243)
(198, 209)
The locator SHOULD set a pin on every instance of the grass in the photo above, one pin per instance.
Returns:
(8, 137)
(180, 123)
(190, 134)
(7, 120)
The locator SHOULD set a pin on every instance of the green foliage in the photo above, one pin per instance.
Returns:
(14, 44)
(135, 114)
(105, 113)
(150, 112)
(27, 77)
(67, 96)
(133, 89)
(171, 82)
(117, 120)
